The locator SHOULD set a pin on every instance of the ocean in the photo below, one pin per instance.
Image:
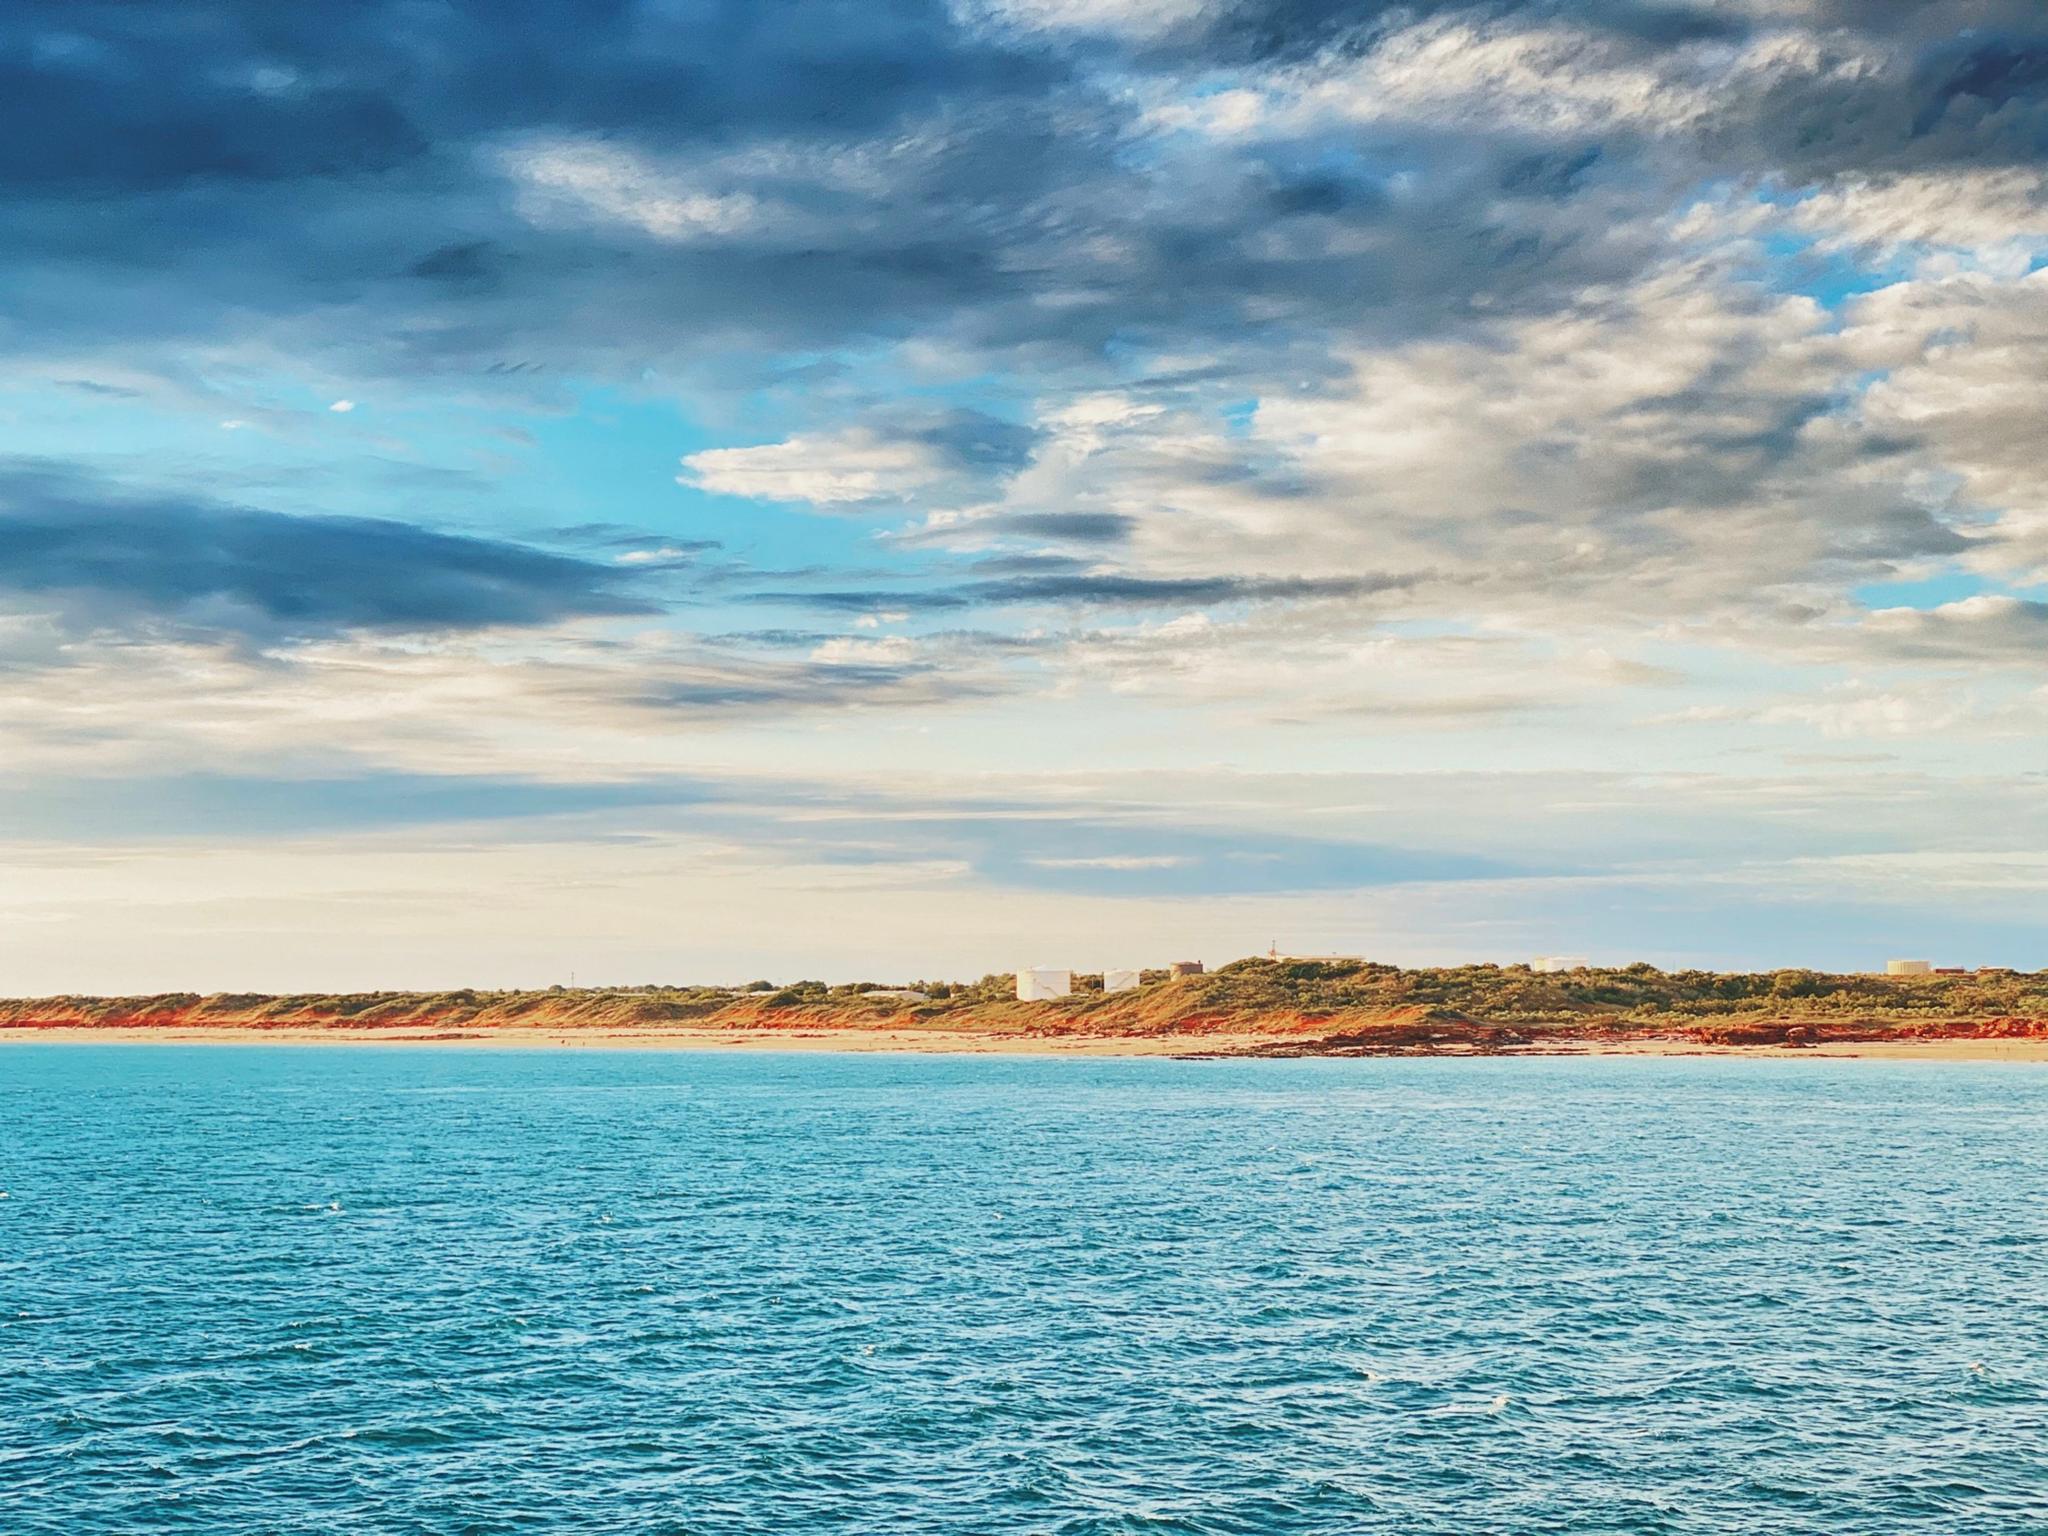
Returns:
(462, 1291)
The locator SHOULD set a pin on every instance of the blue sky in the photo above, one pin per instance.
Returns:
(675, 490)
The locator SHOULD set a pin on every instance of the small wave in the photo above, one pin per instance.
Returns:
(1492, 1405)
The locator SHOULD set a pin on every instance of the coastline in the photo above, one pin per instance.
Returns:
(1231, 1046)
(1248, 1010)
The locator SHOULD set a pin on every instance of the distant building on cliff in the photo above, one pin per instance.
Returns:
(1040, 983)
(1185, 968)
(1121, 981)
(1552, 965)
(1277, 953)
(1908, 967)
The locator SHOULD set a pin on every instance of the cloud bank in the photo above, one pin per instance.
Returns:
(569, 391)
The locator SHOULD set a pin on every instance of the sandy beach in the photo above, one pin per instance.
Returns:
(972, 1042)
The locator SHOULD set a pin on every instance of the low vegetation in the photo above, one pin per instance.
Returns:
(1301, 1001)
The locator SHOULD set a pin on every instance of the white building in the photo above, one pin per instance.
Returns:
(1552, 965)
(1120, 981)
(1038, 983)
(1909, 967)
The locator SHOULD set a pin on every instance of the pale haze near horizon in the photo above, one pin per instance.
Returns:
(674, 493)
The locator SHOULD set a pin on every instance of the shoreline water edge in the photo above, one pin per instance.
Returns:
(963, 1042)
(1250, 1009)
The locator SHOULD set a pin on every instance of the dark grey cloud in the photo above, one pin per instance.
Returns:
(110, 559)
(517, 195)
(972, 440)
(238, 162)
(1064, 527)
(1193, 591)
(627, 539)
(106, 95)
(1269, 30)
(1070, 587)
(1983, 632)
(1028, 563)
(195, 166)
(1953, 96)
(1891, 533)
(745, 685)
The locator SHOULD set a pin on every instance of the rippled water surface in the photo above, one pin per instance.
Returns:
(387, 1290)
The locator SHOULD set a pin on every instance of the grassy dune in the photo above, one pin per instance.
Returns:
(1283, 1007)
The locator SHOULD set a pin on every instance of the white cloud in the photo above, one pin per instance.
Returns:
(845, 650)
(1548, 79)
(1958, 362)
(1124, 18)
(587, 179)
(825, 469)
(1646, 450)
(2000, 216)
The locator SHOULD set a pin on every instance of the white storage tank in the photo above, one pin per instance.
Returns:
(1039, 983)
(1120, 981)
(1553, 965)
(1909, 967)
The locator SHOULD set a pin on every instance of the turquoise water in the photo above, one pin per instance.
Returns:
(451, 1291)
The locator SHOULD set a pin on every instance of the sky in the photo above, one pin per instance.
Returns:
(662, 490)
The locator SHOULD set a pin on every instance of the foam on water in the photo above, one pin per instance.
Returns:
(363, 1290)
